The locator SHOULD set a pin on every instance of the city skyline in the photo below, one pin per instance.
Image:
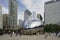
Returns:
(22, 6)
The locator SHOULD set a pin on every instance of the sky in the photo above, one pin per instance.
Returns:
(32, 5)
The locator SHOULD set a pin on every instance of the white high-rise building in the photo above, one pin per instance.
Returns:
(52, 12)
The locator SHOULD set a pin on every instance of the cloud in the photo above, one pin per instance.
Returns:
(28, 4)
(21, 16)
(4, 10)
(35, 5)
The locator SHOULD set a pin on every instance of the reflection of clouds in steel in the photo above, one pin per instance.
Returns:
(35, 24)
(30, 23)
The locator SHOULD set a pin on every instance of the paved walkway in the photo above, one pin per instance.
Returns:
(29, 37)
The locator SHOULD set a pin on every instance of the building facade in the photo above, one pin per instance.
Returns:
(1, 17)
(7, 21)
(20, 22)
(52, 12)
(10, 19)
(13, 11)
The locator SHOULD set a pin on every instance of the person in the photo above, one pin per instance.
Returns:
(59, 34)
(46, 35)
(16, 32)
(56, 33)
(11, 34)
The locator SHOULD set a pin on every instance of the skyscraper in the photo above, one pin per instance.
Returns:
(52, 12)
(9, 19)
(13, 11)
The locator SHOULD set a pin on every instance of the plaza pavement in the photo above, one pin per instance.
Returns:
(29, 37)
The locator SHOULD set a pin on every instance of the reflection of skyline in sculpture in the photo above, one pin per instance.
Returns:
(35, 5)
(1, 18)
(32, 23)
(34, 14)
(52, 12)
(31, 20)
(27, 15)
(39, 17)
(20, 22)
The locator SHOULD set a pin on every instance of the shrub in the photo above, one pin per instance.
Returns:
(1, 31)
(51, 28)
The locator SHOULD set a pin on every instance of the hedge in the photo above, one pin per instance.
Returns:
(52, 28)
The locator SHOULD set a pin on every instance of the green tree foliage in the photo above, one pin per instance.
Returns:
(52, 28)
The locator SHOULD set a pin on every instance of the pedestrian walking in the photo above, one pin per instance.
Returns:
(46, 35)
(11, 34)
